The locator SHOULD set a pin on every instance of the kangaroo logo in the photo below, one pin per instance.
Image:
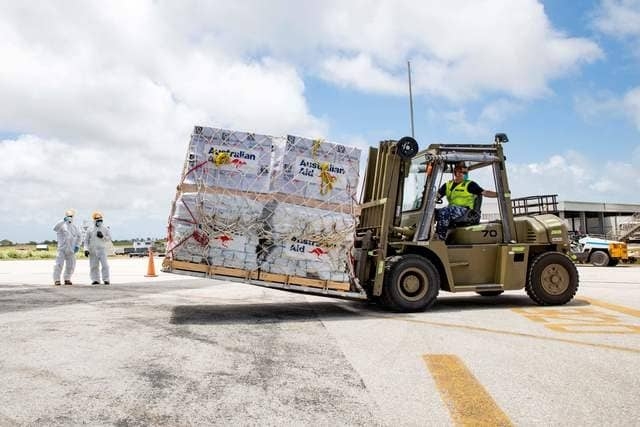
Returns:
(318, 251)
(237, 163)
(224, 240)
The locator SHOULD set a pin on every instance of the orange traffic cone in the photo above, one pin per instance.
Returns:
(151, 268)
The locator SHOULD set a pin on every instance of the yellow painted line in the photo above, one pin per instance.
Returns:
(519, 334)
(614, 307)
(501, 332)
(581, 320)
(567, 315)
(590, 328)
(468, 402)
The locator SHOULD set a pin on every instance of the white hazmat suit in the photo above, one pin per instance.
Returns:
(96, 243)
(68, 237)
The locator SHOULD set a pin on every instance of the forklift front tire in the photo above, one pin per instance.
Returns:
(411, 284)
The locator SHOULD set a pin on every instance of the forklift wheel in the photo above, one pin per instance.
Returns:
(553, 279)
(411, 284)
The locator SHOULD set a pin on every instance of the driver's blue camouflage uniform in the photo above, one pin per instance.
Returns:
(449, 213)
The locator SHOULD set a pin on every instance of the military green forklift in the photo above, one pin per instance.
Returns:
(398, 259)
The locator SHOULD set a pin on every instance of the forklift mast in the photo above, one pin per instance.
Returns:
(381, 204)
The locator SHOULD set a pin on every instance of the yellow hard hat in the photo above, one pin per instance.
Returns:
(96, 215)
(70, 212)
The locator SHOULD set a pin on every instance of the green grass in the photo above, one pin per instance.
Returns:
(13, 253)
(29, 252)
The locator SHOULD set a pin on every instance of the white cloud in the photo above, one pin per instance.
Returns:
(106, 99)
(458, 50)
(458, 120)
(593, 105)
(361, 73)
(619, 18)
(573, 176)
(102, 99)
(631, 102)
(608, 104)
(490, 117)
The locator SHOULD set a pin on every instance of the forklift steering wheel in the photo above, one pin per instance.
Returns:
(407, 147)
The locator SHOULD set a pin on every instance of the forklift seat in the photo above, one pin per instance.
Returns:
(471, 217)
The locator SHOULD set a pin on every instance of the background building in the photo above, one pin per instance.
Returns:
(617, 221)
(612, 220)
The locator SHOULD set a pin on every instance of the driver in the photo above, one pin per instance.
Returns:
(461, 193)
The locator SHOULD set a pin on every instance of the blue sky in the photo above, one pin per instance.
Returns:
(99, 102)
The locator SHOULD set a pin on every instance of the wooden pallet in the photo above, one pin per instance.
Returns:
(214, 271)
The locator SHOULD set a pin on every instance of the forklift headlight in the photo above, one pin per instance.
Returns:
(501, 138)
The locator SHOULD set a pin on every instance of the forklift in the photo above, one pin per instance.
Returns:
(398, 260)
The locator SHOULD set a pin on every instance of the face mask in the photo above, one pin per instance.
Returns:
(68, 218)
(98, 223)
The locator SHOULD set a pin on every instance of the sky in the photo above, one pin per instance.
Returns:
(98, 100)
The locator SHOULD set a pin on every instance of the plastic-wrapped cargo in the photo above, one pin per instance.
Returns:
(306, 242)
(242, 210)
(215, 228)
(229, 159)
(314, 170)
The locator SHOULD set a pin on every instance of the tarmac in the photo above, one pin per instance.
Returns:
(179, 350)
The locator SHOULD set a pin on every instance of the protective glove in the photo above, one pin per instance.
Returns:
(75, 249)
(99, 234)
(86, 253)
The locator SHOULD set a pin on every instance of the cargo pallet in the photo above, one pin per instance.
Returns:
(264, 279)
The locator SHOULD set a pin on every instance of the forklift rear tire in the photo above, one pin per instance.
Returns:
(553, 279)
(599, 258)
(411, 284)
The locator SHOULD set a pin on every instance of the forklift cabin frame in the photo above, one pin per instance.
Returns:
(380, 232)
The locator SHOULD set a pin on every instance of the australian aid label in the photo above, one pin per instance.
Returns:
(305, 249)
(317, 171)
(237, 158)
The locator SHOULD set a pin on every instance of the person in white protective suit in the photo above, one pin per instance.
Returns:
(95, 247)
(68, 237)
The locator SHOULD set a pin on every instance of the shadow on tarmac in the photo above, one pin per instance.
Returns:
(477, 302)
(267, 312)
(313, 311)
(42, 297)
(260, 313)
